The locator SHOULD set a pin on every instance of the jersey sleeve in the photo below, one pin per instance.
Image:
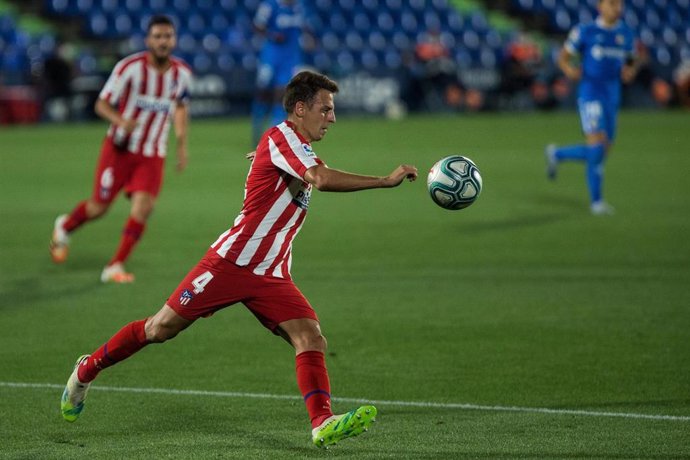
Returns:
(115, 85)
(573, 43)
(290, 154)
(185, 83)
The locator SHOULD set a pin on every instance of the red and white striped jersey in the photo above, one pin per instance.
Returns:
(143, 93)
(276, 198)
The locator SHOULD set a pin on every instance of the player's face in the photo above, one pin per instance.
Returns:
(317, 118)
(161, 41)
(610, 10)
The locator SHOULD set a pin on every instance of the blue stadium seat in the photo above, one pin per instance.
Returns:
(431, 20)
(249, 62)
(630, 17)
(211, 43)
(195, 24)
(354, 41)
(369, 59)
(202, 62)
(330, 41)
(58, 7)
(392, 5)
(401, 41)
(562, 20)
(322, 61)
(338, 23)
(377, 41)
(122, 23)
(97, 24)
(225, 62)
(385, 23)
(669, 36)
(84, 7)
(345, 61)
(361, 22)
(463, 58)
(470, 40)
(182, 7)
(134, 6)
(186, 42)
(408, 22)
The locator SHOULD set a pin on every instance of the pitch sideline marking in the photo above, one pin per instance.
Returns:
(424, 404)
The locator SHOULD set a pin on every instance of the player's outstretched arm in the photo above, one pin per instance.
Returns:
(326, 179)
(565, 63)
(181, 123)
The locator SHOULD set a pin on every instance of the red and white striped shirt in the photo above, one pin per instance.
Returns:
(143, 93)
(276, 198)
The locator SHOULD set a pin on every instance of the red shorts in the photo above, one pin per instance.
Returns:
(216, 283)
(118, 168)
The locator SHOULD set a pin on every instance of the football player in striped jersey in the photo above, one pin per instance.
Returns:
(144, 94)
(250, 262)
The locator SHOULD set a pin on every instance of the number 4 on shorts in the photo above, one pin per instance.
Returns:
(201, 281)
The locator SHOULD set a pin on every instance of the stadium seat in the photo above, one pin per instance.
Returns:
(385, 23)
(354, 41)
(376, 41)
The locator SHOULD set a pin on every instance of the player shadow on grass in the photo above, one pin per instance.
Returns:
(41, 287)
(551, 209)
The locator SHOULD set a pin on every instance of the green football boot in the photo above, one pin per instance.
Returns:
(72, 402)
(343, 426)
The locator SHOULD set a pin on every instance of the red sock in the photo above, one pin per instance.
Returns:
(121, 346)
(312, 379)
(76, 218)
(130, 236)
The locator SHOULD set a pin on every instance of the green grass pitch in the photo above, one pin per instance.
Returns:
(523, 301)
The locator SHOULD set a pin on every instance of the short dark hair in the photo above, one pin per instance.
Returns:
(159, 19)
(304, 86)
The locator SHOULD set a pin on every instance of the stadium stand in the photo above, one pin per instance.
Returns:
(372, 37)
(663, 26)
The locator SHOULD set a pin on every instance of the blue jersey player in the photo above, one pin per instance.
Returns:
(605, 59)
(281, 22)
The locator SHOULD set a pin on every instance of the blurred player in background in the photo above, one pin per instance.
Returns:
(281, 22)
(250, 262)
(606, 53)
(143, 93)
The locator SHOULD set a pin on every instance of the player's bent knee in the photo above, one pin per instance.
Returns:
(310, 342)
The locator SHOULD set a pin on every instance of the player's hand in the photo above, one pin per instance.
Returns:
(128, 125)
(401, 173)
(250, 156)
(182, 158)
(628, 73)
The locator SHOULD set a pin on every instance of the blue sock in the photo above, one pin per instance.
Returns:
(595, 170)
(278, 114)
(572, 152)
(259, 112)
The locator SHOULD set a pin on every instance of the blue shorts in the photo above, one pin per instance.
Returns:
(598, 107)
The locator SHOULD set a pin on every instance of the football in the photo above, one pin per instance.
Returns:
(454, 182)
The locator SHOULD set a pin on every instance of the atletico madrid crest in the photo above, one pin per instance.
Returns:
(186, 297)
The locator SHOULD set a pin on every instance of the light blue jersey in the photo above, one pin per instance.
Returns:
(603, 51)
(282, 22)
